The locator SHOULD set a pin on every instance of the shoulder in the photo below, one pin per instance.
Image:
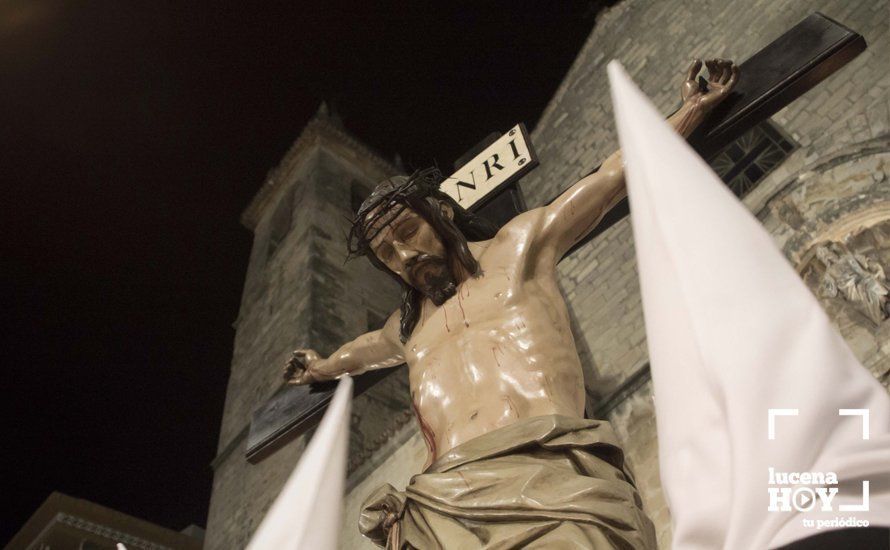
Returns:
(518, 241)
(522, 227)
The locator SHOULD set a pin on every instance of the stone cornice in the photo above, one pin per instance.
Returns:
(131, 541)
(320, 132)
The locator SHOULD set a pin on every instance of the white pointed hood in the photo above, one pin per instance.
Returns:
(733, 332)
(308, 511)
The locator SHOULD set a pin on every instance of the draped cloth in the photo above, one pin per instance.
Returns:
(544, 482)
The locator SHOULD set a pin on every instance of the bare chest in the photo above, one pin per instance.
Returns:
(478, 301)
(488, 309)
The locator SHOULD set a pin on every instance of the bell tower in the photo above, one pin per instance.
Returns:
(299, 291)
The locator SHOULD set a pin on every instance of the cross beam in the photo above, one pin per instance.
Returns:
(772, 78)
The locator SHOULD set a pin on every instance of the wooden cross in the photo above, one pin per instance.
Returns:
(772, 78)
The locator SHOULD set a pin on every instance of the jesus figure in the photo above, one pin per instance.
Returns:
(496, 382)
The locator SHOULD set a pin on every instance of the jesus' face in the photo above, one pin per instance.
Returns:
(412, 249)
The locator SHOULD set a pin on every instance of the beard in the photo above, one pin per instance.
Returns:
(432, 276)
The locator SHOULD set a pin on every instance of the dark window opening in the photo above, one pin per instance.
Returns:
(746, 161)
(280, 224)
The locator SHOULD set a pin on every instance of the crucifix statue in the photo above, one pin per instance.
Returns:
(773, 77)
(496, 382)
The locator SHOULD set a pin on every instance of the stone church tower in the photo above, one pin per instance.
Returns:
(300, 292)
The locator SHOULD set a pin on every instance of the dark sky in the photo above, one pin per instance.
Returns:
(132, 135)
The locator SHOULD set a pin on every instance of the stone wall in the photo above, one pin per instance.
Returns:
(833, 186)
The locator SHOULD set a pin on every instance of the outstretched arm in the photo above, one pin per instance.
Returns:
(378, 349)
(582, 206)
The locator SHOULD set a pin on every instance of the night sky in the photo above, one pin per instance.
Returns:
(132, 135)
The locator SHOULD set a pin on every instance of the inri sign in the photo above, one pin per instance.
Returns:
(500, 164)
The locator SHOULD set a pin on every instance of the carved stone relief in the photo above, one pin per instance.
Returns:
(856, 278)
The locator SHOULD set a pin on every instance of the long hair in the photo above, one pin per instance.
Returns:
(419, 192)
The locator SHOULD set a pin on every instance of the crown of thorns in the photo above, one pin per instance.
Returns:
(396, 192)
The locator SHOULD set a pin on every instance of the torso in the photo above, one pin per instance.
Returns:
(498, 351)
